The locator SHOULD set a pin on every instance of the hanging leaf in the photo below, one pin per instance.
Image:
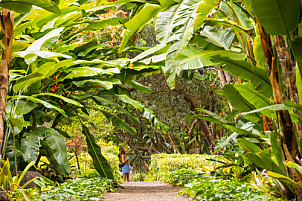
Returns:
(43, 72)
(248, 146)
(99, 161)
(215, 117)
(148, 114)
(278, 17)
(57, 145)
(117, 122)
(102, 101)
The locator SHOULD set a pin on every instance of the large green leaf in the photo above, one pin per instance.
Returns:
(248, 146)
(237, 100)
(242, 17)
(76, 72)
(67, 100)
(205, 7)
(99, 161)
(244, 70)
(57, 145)
(37, 100)
(24, 6)
(176, 25)
(139, 86)
(38, 44)
(299, 84)
(192, 57)
(222, 144)
(47, 151)
(107, 83)
(22, 108)
(256, 99)
(228, 23)
(29, 55)
(223, 39)
(138, 21)
(245, 131)
(30, 145)
(264, 161)
(100, 24)
(278, 17)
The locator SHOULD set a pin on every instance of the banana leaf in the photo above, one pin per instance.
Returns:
(99, 161)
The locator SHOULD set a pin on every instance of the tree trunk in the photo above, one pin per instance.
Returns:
(7, 27)
(287, 138)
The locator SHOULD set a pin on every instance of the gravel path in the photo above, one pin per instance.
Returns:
(146, 191)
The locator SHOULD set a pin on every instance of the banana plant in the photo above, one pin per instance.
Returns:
(54, 77)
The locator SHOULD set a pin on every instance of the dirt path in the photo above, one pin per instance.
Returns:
(146, 191)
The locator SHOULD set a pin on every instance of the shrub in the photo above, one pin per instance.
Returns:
(181, 177)
(165, 163)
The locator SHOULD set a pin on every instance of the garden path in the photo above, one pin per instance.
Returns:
(146, 191)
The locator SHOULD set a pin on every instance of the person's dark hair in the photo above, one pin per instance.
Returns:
(122, 151)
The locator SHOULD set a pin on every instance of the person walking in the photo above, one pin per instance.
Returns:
(125, 161)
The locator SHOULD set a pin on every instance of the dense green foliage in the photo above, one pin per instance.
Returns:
(79, 189)
(202, 186)
(211, 188)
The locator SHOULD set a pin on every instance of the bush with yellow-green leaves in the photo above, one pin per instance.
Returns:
(165, 163)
